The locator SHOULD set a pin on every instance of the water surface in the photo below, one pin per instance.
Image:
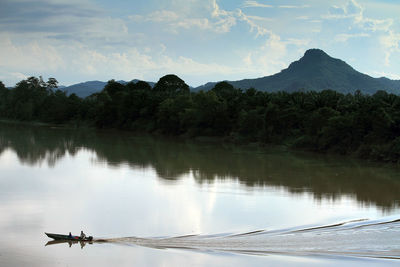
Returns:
(140, 193)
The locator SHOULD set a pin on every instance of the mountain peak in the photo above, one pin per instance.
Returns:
(314, 56)
(314, 52)
(317, 71)
(312, 62)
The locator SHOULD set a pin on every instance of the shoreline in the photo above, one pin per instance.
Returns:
(224, 141)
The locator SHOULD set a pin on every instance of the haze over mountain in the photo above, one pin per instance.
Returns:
(317, 71)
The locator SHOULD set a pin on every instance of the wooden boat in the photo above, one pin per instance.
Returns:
(68, 237)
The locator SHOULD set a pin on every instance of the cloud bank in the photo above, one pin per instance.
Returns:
(198, 40)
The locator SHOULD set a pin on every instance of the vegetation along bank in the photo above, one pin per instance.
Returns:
(367, 126)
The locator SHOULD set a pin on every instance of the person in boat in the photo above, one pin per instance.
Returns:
(70, 235)
(82, 236)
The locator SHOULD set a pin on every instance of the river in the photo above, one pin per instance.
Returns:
(157, 201)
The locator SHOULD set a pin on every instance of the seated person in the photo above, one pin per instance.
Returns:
(82, 236)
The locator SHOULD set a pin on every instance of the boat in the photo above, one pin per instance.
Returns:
(69, 238)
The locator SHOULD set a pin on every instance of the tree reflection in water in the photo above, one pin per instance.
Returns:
(325, 177)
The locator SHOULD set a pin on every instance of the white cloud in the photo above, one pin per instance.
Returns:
(247, 4)
(162, 50)
(272, 55)
(292, 6)
(187, 65)
(255, 4)
(269, 58)
(336, 12)
(344, 37)
(391, 44)
(258, 18)
(392, 76)
(376, 24)
(298, 42)
(201, 23)
(260, 30)
(47, 15)
(105, 28)
(172, 21)
(225, 19)
(137, 17)
(50, 53)
(157, 16)
(80, 60)
(219, 20)
(33, 55)
(247, 59)
(303, 17)
(275, 44)
(355, 11)
(224, 25)
(62, 20)
(380, 30)
(351, 10)
(89, 43)
(11, 78)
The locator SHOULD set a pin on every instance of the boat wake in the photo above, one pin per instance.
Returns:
(360, 238)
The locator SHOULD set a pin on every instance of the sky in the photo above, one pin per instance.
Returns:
(198, 40)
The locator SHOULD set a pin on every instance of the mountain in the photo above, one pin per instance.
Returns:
(84, 89)
(87, 88)
(317, 71)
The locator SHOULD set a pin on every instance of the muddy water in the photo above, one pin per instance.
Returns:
(233, 206)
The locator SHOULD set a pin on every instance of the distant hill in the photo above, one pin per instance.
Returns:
(87, 88)
(317, 71)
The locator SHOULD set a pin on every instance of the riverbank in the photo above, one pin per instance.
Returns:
(227, 141)
(363, 126)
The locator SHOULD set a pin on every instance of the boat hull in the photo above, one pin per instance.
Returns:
(67, 237)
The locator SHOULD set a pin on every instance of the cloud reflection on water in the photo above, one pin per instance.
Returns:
(327, 178)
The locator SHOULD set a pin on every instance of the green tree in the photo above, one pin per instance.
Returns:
(4, 92)
(171, 85)
(251, 123)
(171, 114)
(2, 87)
(211, 114)
(52, 84)
(225, 91)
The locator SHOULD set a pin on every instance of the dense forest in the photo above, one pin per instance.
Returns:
(367, 126)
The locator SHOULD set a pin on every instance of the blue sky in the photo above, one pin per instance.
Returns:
(199, 40)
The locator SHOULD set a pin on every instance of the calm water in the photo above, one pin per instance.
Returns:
(141, 193)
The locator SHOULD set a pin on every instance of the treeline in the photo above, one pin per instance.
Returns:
(364, 125)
